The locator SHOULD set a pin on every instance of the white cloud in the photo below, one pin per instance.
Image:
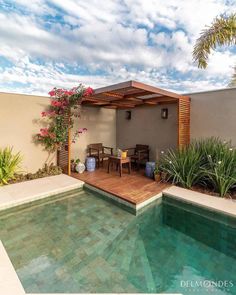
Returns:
(111, 37)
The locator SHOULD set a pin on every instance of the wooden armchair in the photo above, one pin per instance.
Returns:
(99, 152)
(139, 154)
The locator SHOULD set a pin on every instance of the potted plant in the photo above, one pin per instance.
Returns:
(157, 173)
(79, 166)
(72, 165)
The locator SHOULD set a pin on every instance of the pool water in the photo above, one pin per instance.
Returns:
(82, 243)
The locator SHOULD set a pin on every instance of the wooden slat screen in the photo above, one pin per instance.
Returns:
(63, 155)
(183, 121)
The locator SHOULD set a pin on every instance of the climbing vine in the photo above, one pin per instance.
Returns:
(65, 105)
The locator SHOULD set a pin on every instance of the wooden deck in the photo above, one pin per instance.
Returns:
(134, 188)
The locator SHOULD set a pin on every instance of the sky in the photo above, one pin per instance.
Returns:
(61, 43)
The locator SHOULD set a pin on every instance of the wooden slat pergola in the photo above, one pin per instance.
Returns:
(131, 94)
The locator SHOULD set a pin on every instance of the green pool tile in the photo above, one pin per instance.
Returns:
(84, 244)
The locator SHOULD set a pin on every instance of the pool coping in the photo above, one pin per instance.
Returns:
(131, 207)
(25, 192)
(221, 205)
(28, 191)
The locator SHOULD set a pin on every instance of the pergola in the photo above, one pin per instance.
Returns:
(131, 94)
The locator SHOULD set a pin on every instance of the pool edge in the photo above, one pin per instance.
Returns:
(221, 205)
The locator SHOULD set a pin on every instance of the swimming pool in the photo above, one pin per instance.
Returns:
(82, 243)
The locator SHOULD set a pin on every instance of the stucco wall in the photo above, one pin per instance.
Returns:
(214, 114)
(20, 120)
(147, 127)
(19, 115)
(101, 125)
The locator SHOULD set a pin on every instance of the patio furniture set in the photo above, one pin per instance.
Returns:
(136, 155)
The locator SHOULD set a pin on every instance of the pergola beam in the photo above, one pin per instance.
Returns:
(153, 89)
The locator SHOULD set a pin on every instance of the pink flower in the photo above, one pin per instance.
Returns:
(88, 91)
(81, 130)
(52, 93)
(48, 113)
(44, 132)
(65, 102)
(56, 103)
(69, 92)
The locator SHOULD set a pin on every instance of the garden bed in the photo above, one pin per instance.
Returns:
(46, 171)
(207, 166)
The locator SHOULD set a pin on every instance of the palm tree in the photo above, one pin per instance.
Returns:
(221, 32)
(233, 80)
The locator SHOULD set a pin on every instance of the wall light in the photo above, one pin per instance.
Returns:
(164, 113)
(128, 115)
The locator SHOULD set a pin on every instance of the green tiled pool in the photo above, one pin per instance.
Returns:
(82, 243)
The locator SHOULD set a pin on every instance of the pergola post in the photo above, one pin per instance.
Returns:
(64, 154)
(183, 121)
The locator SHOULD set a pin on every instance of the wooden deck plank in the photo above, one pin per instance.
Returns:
(134, 188)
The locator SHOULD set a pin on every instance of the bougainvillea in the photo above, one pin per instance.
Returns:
(65, 105)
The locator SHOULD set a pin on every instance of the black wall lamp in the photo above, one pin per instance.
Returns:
(164, 113)
(128, 115)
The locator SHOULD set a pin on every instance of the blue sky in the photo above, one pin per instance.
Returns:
(47, 43)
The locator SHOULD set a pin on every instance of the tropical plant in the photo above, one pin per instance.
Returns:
(221, 32)
(9, 164)
(211, 148)
(218, 164)
(232, 83)
(210, 162)
(183, 166)
(157, 169)
(222, 174)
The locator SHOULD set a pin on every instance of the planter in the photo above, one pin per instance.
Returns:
(149, 170)
(157, 177)
(72, 166)
(80, 167)
(90, 164)
(164, 176)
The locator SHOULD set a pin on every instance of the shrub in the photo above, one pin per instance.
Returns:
(47, 170)
(183, 166)
(219, 164)
(210, 161)
(9, 164)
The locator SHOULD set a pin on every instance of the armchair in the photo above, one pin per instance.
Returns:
(99, 152)
(139, 154)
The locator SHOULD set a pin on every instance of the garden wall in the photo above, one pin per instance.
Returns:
(19, 121)
(147, 127)
(20, 117)
(213, 113)
(101, 125)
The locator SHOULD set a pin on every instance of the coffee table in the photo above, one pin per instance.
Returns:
(119, 163)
